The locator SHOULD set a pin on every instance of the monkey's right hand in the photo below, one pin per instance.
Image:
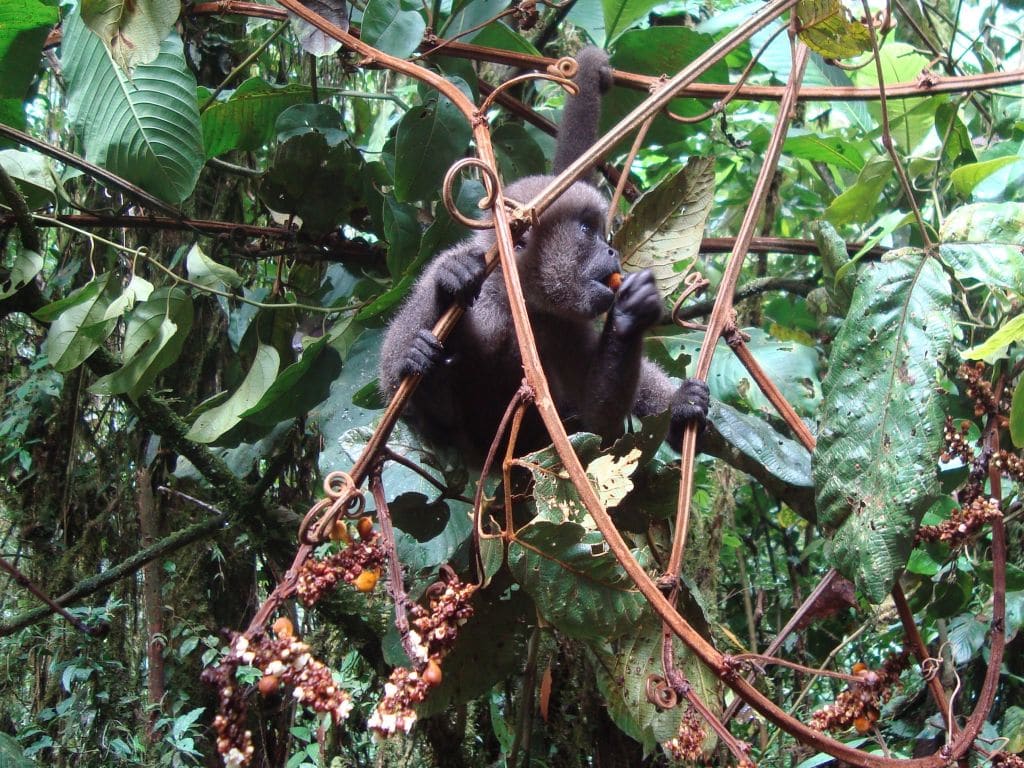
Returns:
(638, 304)
(424, 355)
(461, 275)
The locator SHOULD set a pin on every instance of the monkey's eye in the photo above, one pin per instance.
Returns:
(586, 228)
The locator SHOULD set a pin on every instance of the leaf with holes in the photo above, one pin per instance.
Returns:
(826, 28)
(145, 128)
(880, 423)
(665, 227)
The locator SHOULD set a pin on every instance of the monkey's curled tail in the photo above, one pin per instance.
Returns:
(578, 131)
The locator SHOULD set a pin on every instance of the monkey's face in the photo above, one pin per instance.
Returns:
(565, 261)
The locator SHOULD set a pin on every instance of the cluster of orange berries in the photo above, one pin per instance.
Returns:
(962, 524)
(858, 706)
(284, 661)
(432, 637)
(687, 743)
(358, 563)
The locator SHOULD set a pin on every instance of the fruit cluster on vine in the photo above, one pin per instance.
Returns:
(979, 389)
(859, 705)
(434, 630)
(962, 524)
(687, 743)
(955, 441)
(1006, 760)
(286, 663)
(358, 563)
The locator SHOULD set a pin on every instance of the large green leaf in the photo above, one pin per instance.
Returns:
(214, 422)
(995, 346)
(1017, 415)
(578, 586)
(663, 230)
(982, 243)
(393, 26)
(82, 323)
(881, 420)
(131, 29)
(245, 120)
(967, 177)
(622, 673)
(145, 128)
(429, 139)
(299, 387)
(659, 51)
(857, 204)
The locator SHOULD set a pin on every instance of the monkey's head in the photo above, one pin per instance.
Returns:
(565, 261)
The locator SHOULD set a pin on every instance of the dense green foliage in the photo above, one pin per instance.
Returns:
(189, 342)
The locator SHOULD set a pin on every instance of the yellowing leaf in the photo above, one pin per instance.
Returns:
(132, 30)
(826, 28)
(611, 476)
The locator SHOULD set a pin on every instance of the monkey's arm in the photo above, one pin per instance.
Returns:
(615, 368)
(410, 346)
(578, 131)
(656, 393)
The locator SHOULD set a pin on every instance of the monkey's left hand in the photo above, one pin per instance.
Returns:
(689, 404)
(638, 304)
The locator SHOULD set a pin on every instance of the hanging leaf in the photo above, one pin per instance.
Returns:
(967, 177)
(155, 336)
(131, 29)
(33, 174)
(312, 40)
(578, 586)
(214, 422)
(26, 266)
(79, 323)
(208, 273)
(831, 150)
(881, 420)
(393, 27)
(664, 229)
(826, 28)
(145, 128)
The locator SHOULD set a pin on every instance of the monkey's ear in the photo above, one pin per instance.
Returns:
(605, 79)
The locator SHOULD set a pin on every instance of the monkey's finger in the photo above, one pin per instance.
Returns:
(425, 353)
